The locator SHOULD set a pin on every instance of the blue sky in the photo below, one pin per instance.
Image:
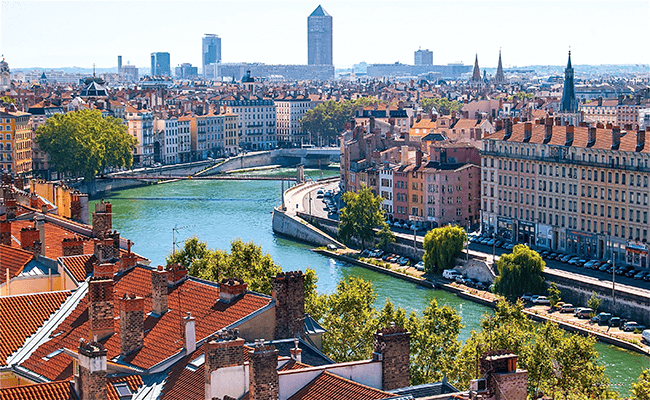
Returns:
(79, 33)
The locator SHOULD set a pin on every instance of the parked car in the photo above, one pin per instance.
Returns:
(602, 318)
(632, 326)
(450, 274)
(459, 279)
(510, 246)
(583, 312)
(604, 267)
(631, 273)
(566, 258)
(645, 336)
(544, 253)
(527, 297)
(640, 275)
(567, 308)
(573, 261)
(541, 300)
(590, 264)
(552, 256)
(615, 322)
(419, 266)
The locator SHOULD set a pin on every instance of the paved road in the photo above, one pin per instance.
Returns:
(596, 275)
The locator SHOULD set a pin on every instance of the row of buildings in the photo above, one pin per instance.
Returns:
(549, 173)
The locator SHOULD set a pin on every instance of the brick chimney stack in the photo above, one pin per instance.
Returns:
(176, 274)
(28, 236)
(100, 307)
(504, 380)
(616, 137)
(231, 289)
(224, 349)
(591, 132)
(548, 132)
(392, 348)
(528, 131)
(73, 246)
(131, 324)
(264, 382)
(105, 250)
(127, 260)
(640, 139)
(103, 270)
(102, 219)
(90, 384)
(569, 135)
(11, 206)
(289, 294)
(508, 127)
(159, 292)
(5, 232)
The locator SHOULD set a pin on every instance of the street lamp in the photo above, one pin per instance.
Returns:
(494, 246)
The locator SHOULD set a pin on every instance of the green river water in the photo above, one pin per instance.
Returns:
(220, 211)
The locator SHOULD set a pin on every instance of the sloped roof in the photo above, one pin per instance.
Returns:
(328, 386)
(162, 338)
(79, 266)
(319, 12)
(59, 390)
(22, 315)
(14, 259)
(133, 381)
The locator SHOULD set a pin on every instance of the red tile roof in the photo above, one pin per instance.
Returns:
(54, 235)
(22, 315)
(328, 386)
(79, 266)
(13, 258)
(60, 390)
(163, 337)
(133, 381)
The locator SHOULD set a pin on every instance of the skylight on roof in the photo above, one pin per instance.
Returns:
(196, 363)
(123, 390)
(53, 354)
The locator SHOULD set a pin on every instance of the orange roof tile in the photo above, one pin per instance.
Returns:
(22, 315)
(60, 390)
(133, 381)
(328, 386)
(79, 266)
(163, 337)
(54, 235)
(13, 258)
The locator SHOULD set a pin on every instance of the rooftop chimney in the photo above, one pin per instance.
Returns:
(104, 249)
(508, 126)
(264, 382)
(73, 246)
(616, 137)
(289, 294)
(190, 333)
(392, 348)
(548, 133)
(499, 369)
(569, 135)
(5, 232)
(28, 236)
(591, 133)
(640, 140)
(128, 260)
(296, 351)
(90, 383)
(131, 324)
(231, 289)
(102, 219)
(225, 349)
(100, 307)
(176, 274)
(159, 291)
(528, 131)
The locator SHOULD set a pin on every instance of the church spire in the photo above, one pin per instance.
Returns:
(476, 76)
(569, 103)
(500, 77)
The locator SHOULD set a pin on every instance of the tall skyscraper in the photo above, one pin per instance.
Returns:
(211, 50)
(319, 38)
(423, 57)
(160, 65)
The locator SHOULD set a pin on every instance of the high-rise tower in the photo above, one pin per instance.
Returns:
(569, 103)
(319, 38)
(160, 64)
(210, 50)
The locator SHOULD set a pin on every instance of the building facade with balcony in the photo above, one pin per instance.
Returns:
(257, 117)
(15, 142)
(578, 190)
(289, 112)
(140, 125)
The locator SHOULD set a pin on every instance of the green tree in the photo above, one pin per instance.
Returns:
(7, 100)
(442, 105)
(594, 302)
(386, 236)
(554, 294)
(83, 143)
(519, 272)
(442, 246)
(641, 388)
(361, 215)
(327, 120)
(245, 261)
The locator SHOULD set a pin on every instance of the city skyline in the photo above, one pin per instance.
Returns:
(276, 32)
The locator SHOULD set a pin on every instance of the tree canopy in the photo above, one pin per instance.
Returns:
(442, 105)
(327, 120)
(520, 272)
(641, 388)
(83, 143)
(245, 261)
(361, 215)
(442, 246)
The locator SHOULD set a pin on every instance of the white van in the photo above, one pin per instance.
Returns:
(645, 335)
(450, 274)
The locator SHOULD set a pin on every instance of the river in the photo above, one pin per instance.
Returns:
(220, 211)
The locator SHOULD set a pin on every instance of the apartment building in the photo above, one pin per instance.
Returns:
(168, 132)
(231, 133)
(580, 190)
(184, 148)
(289, 111)
(140, 125)
(600, 110)
(15, 142)
(257, 117)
